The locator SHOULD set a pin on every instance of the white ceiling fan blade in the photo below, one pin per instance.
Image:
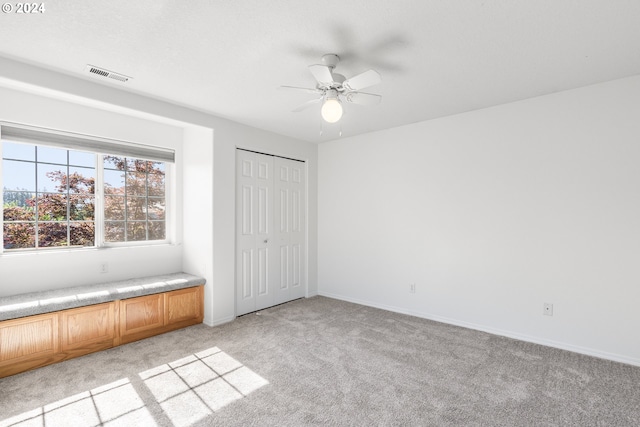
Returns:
(322, 74)
(304, 89)
(306, 105)
(362, 98)
(362, 80)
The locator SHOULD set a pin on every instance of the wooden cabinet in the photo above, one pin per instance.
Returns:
(150, 315)
(184, 306)
(87, 329)
(28, 343)
(140, 317)
(43, 339)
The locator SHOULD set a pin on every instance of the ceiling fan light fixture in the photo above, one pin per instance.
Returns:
(331, 108)
(334, 88)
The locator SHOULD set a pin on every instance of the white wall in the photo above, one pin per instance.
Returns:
(26, 272)
(227, 137)
(208, 187)
(197, 256)
(218, 266)
(493, 213)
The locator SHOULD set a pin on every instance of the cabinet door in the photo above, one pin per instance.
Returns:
(184, 305)
(28, 342)
(140, 315)
(89, 328)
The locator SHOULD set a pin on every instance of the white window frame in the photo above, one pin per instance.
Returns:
(99, 147)
(168, 220)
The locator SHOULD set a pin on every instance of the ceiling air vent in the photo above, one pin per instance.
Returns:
(106, 73)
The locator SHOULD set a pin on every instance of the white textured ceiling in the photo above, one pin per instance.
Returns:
(436, 58)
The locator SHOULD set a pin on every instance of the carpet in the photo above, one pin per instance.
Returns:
(321, 361)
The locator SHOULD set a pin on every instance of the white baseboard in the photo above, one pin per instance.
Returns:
(220, 321)
(501, 332)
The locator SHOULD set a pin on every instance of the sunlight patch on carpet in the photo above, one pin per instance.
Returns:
(187, 390)
(116, 402)
(198, 385)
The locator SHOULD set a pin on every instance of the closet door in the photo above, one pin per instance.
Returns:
(270, 231)
(290, 217)
(255, 272)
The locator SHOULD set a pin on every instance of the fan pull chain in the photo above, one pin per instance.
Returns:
(321, 126)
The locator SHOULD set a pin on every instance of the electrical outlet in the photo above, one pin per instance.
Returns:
(547, 309)
(412, 288)
(104, 267)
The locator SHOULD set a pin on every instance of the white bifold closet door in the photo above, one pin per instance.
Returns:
(270, 231)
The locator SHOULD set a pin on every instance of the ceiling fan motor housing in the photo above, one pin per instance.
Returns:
(331, 94)
(330, 60)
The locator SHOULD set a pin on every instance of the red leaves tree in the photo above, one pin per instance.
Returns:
(134, 210)
(141, 214)
(52, 211)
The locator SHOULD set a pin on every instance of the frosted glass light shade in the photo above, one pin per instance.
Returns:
(331, 110)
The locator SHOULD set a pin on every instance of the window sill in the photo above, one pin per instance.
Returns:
(68, 251)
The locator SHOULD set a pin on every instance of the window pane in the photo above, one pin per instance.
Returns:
(136, 208)
(113, 182)
(114, 207)
(82, 233)
(19, 206)
(137, 183)
(19, 235)
(136, 231)
(156, 230)
(12, 150)
(81, 208)
(52, 155)
(52, 207)
(156, 209)
(114, 163)
(80, 158)
(18, 175)
(52, 178)
(155, 182)
(157, 167)
(134, 165)
(52, 234)
(82, 180)
(114, 231)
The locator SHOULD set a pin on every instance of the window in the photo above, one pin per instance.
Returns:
(61, 196)
(48, 197)
(134, 199)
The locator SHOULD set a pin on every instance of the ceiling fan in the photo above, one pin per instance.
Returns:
(334, 88)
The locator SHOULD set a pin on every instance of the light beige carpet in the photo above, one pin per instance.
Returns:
(321, 361)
